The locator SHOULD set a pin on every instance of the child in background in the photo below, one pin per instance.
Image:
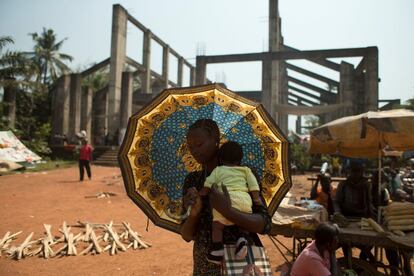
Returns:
(243, 189)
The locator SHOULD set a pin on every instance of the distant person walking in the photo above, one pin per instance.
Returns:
(85, 158)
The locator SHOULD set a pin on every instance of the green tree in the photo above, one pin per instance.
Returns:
(410, 104)
(300, 156)
(311, 122)
(47, 56)
(15, 67)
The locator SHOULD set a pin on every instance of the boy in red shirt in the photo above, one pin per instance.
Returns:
(85, 157)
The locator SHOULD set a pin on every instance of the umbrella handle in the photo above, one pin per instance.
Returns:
(179, 217)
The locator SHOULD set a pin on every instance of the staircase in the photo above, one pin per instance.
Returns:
(106, 156)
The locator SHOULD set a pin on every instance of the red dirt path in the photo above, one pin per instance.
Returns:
(29, 200)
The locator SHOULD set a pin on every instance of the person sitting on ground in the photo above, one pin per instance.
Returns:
(324, 192)
(243, 189)
(318, 258)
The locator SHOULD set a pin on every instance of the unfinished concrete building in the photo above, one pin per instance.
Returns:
(104, 113)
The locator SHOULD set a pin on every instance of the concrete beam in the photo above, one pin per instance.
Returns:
(252, 95)
(303, 100)
(286, 55)
(360, 67)
(331, 97)
(324, 62)
(311, 74)
(144, 29)
(319, 98)
(95, 67)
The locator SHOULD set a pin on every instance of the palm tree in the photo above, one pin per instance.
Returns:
(14, 65)
(49, 61)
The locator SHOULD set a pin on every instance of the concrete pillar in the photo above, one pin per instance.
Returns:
(126, 98)
(299, 125)
(201, 70)
(9, 103)
(180, 71)
(347, 90)
(192, 76)
(75, 106)
(276, 78)
(360, 90)
(299, 120)
(165, 65)
(100, 113)
(146, 62)
(117, 60)
(86, 112)
(60, 109)
(266, 85)
(371, 80)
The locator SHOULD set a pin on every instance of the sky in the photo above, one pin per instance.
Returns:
(218, 27)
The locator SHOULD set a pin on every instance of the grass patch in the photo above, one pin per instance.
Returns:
(49, 165)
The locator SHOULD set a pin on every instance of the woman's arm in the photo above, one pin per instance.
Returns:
(188, 227)
(221, 202)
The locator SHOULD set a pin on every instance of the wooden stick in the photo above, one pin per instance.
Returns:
(135, 236)
(20, 249)
(95, 242)
(86, 250)
(48, 232)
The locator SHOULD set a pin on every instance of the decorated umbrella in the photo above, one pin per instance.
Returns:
(367, 135)
(154, 158)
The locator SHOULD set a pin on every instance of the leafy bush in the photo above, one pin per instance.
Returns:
(300, 156)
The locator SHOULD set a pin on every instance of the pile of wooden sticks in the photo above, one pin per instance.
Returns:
(94, 238)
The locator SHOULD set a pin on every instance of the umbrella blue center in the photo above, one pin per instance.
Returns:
(166, 155)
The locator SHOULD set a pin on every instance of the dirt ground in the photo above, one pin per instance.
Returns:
(29, 200)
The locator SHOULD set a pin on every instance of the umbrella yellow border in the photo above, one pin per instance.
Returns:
(132, 125)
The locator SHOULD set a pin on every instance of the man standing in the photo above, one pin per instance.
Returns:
(85, 158)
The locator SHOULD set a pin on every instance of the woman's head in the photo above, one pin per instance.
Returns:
(326, 236)
(203, 139)
(231, 153)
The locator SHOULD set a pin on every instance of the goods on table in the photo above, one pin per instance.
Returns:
(399, 217)
(370, 224)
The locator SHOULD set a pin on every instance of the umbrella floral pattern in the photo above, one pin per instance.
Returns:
(154, 158)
